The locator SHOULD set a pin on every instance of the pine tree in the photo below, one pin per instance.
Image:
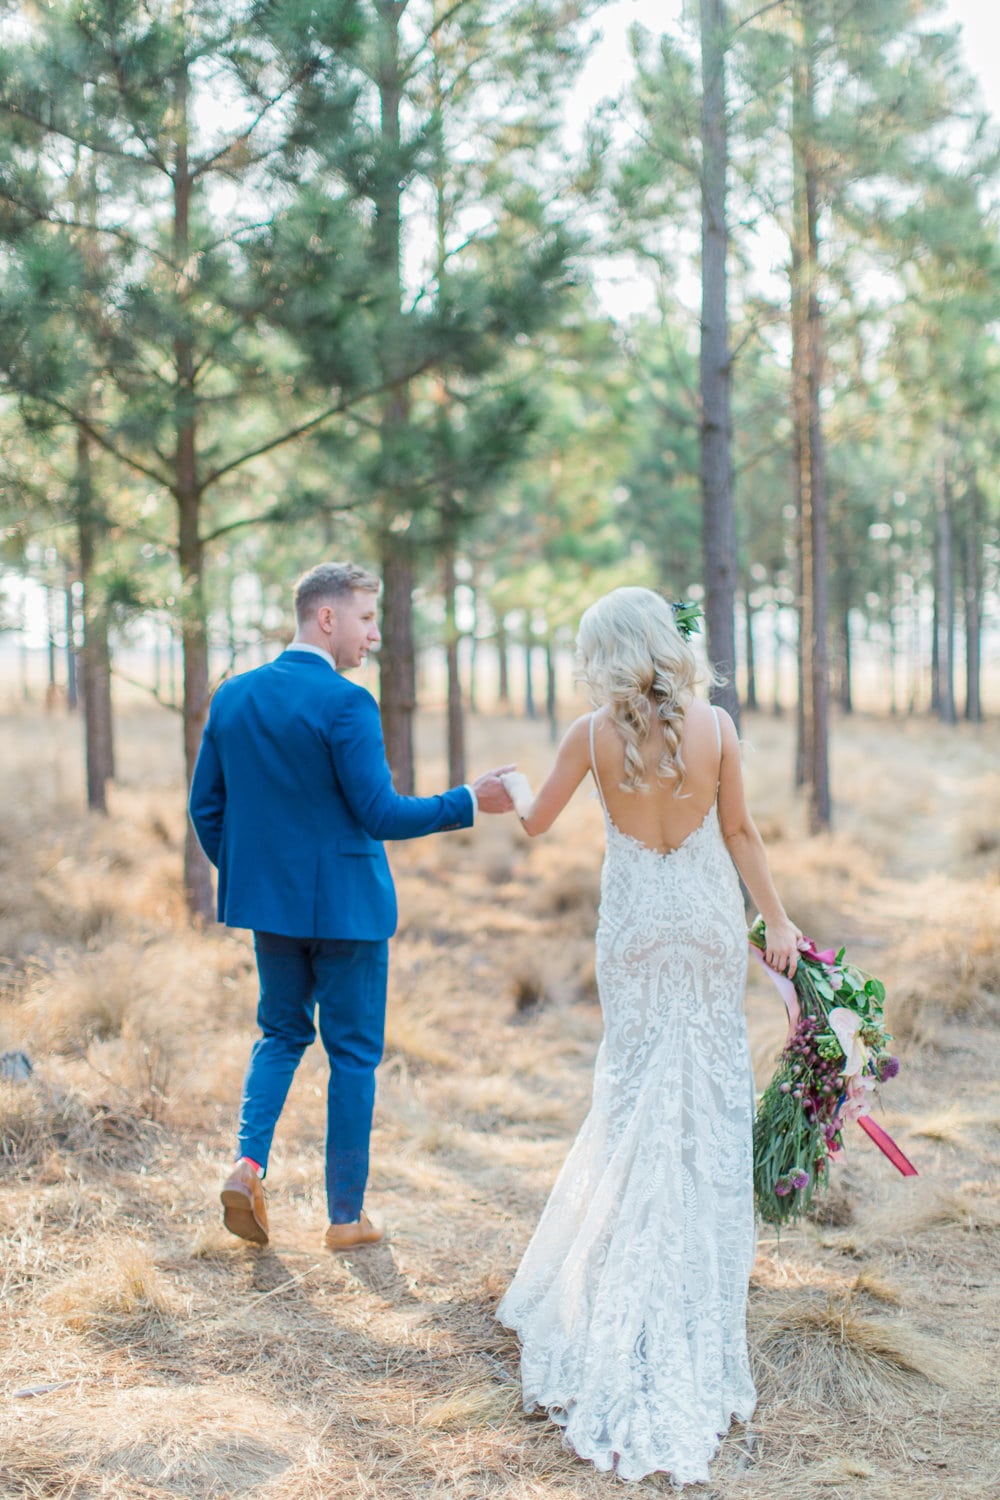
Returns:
(858, 93)
(945, 360)
(461, 175)
(232, 323)
(179, 329)
(684, 126)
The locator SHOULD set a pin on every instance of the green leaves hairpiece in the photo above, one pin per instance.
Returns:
(687, 617)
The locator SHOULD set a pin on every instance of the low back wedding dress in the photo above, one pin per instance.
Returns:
(630, 1301)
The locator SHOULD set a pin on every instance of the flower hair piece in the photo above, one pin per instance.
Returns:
(634, 660)
(687, 617)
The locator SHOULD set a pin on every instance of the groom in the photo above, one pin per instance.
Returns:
(291, 799)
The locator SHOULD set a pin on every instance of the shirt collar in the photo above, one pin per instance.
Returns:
(314, 650)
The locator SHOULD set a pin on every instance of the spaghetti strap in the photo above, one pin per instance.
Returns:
(718, 746)
(593, 768)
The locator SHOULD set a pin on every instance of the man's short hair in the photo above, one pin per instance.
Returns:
(328, 582)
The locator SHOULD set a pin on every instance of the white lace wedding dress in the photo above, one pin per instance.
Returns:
(630, 1300)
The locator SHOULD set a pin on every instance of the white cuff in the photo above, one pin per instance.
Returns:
(475, 800)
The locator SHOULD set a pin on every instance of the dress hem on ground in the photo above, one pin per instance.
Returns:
(630, 1299)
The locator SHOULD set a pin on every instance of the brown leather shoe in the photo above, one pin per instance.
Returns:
(348, 1236)
(244, 1213)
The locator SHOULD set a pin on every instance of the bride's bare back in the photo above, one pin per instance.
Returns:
(656, 816)
(658, 819)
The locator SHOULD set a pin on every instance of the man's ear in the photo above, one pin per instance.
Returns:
(326, 617)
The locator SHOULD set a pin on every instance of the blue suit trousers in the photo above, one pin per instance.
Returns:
(344, 981)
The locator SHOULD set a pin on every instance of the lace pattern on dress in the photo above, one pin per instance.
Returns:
(630, 1301)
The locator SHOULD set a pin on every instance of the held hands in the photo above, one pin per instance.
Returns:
(521, 795)
(782, 951)
(491, 793)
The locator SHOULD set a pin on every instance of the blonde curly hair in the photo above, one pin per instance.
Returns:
(633, 659)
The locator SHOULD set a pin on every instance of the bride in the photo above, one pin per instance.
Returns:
(630, 1301)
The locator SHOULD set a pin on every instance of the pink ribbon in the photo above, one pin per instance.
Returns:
(783, 985)
(856, 1107)
(887, 1145)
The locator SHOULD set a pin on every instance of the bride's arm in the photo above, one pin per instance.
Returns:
(571, 765)
(747, 849)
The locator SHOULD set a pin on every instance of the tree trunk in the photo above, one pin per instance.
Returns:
(935, 704)
(503, 664)
(456, 724)
(175, 668)
(474, 652)
(551, 711)
(846, 659)
(194, 641)
(807, 358)
(718, 525)
(973, 600)
(945, 598)
(232, 639)
(397, 660)
(801, 732)
(187, 494)
(916, 657)
(51, 689)
(751, 653)
(95, 659)
(529, 686)
(72, 695)
(25, 672)
(776, 644)
(398, 664)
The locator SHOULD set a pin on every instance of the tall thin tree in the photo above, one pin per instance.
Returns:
(718, 524)
(810, 476)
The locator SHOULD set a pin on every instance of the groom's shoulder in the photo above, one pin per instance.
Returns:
(243, 687)
(241, 682)
(231, 686)
(349, 695)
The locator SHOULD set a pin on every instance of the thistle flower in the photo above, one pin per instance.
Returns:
(888, 1066)
(783, 1187)
(799, 1179)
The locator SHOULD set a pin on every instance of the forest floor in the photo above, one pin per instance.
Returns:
(146, 1354)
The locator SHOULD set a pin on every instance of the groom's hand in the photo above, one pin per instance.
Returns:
(491, 794)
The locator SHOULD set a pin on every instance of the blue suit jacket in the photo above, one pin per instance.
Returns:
(292, 797)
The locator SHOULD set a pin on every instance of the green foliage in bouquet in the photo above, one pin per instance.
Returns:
(817, 1086)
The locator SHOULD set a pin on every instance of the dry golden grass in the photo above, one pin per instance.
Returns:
(119, 1296)
(171, 1360)
(822, 1352)
(957, 1125)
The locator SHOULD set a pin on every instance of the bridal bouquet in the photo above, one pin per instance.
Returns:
(837, 1052)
